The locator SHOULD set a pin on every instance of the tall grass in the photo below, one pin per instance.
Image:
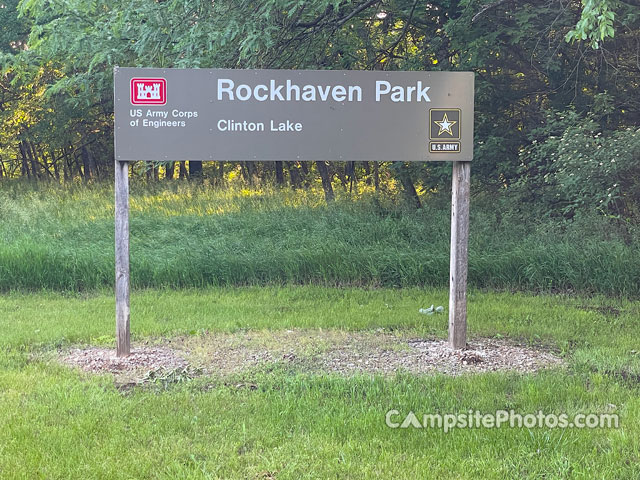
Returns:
(191, 236)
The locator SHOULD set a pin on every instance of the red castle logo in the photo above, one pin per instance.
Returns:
(148, 91)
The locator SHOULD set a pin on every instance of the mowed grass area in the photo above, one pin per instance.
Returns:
(184, 235)
(59, 423)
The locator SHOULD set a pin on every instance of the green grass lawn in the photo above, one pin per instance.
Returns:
(60, 423)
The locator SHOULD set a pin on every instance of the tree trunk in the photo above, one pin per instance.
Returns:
(25, 164)
(304, 166)
(45, 165)
(182, 171)
(67, 165)
(294, 175)
(245, 172)
(252, 171)
(169, 170)
(249, 172)
(54, 163)
(342, 175)
(195, 169)
(86, 162)
(39, 154)
(76, 158)
(407, 185)
(221, 173)
(32, 159)
(376, 175)
(326, 181)
(95, 168)
(152, 171)
(352, 175)
(279, 174)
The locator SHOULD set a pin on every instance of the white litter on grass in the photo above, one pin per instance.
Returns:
(431, 310)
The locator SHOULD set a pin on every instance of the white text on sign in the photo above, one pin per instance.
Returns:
(291, 92)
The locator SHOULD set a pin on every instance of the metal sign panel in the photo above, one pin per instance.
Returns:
(244, 115)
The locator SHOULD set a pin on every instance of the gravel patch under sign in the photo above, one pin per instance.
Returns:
(431, 356)
(104, 360)
(314, 351)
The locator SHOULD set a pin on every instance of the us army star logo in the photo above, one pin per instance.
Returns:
(444, 130)
(445, 125)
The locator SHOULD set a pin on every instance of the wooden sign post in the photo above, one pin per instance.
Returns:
(294, 115)
(460, 190)
(123, 344)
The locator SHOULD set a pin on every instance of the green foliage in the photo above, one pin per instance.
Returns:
(525, 68)
(575, 167)
(14, 30)
(599, 172)
(595, 24)
(56, 97)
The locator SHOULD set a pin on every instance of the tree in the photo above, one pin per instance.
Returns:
(57, 93)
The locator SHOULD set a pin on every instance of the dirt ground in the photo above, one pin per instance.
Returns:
(313, 351)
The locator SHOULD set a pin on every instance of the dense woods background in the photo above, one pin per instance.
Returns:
(557, 101)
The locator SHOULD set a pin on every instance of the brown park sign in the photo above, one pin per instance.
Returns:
(264, 115)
